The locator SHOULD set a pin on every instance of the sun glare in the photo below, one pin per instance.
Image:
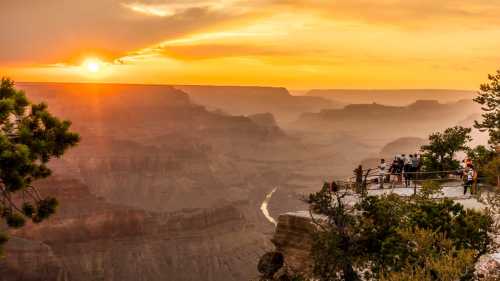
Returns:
(92, 65)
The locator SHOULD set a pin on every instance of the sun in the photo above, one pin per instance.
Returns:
(93, 65)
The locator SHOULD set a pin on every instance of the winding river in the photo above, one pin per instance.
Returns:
(265, 204)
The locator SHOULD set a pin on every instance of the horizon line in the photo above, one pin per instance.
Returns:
(248, 86)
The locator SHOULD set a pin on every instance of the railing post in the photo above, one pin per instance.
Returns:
(358, 174)
(365, 191)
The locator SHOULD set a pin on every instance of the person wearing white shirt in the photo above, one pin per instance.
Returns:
(469, 178)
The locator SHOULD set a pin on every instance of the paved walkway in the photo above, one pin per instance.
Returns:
(453, 191)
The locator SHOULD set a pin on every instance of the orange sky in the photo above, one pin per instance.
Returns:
(299, 44)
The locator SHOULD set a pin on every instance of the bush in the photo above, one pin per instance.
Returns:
(397, 237)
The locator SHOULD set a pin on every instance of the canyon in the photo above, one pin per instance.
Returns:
(169, 182)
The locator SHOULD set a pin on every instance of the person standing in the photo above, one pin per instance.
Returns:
(469, 178)
(474, 189)
(382, 170)
(401, 164)
(358, 172)
(407, 170)
(394, 171)
(415, 163)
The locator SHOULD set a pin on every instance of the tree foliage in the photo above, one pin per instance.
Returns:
(439, 154)
(480, 155)
(489, 99)
(486, 162)
(491, 171)
(29, 137)
(436, 258)
(393, 238)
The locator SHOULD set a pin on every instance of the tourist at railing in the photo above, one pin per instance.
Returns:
(469, 179)
(382, 171)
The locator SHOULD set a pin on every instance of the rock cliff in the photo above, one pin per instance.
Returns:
(293, 238)
(91, 239)
(247, 100)
(158, 188)
(391, 97)
(372, 122)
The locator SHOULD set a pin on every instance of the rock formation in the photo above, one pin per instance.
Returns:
(293, 239)
(242, 100)
(391, 97)
(159, 187)
(90, 239)
(379, 124)
(162, 187)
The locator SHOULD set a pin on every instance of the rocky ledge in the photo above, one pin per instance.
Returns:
(293, 240)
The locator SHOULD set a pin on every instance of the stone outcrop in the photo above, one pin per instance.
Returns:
(293, 238)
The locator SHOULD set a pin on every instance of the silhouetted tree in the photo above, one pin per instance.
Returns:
(29, 137)
(489, 99)
(439, 154)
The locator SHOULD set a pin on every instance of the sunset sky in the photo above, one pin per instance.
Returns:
(299, 44)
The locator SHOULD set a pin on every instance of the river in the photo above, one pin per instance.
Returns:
(265, 204)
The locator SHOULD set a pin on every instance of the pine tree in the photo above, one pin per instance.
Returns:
(489, 99)
(29, 137)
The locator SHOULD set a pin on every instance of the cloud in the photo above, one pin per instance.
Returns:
(153, 10)
(214, 51)
(405, 14)
(168, 8)
(53, 31)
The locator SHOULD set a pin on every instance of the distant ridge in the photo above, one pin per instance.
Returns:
(249, 100)
(399, 97)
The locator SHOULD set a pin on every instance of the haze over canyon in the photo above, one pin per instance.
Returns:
(168, 181)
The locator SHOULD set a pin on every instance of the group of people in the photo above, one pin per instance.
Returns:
(408, 168)
(402, 167)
